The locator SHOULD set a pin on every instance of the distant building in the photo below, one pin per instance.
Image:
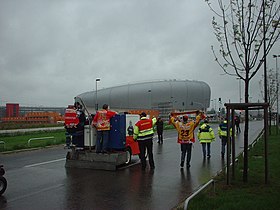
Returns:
(36, 118)
(17, 114)
(12, 110)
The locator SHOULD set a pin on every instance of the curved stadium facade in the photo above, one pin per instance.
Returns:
(164, 96)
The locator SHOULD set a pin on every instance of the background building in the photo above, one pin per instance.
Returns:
(12, 110)
(15, 113)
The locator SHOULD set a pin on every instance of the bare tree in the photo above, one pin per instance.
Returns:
(246, 31)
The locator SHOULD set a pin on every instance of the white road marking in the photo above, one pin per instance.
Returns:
(35, 193)
(43, 163)
(129, 165)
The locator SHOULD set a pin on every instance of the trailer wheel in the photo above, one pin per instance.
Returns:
(128, 155)
(3, 185)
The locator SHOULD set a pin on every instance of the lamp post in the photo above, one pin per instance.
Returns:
(96, 103)
(277, 92)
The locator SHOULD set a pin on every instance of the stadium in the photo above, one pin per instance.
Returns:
(164, 96)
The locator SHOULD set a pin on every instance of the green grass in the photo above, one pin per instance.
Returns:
(254, 194)
(20, 141)
(10, 126)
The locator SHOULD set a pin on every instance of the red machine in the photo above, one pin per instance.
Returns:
(131, 147)
(121, 134)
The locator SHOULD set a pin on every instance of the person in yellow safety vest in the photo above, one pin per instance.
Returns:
(222, 132)
(186, 137)
(206, 136)
(143, 133)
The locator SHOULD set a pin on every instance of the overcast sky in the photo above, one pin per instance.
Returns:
(53, 50)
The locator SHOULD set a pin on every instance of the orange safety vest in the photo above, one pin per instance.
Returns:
(102, 120)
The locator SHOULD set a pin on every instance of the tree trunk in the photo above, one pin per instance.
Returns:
(245, 169)
(270, 118)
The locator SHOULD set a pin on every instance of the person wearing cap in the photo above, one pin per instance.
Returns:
(102, 123)
(205, 136)
(186, 135)
(143, 133)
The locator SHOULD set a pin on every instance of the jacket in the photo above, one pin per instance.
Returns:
(159, 125)
(102, 119)
(222, 129)
(205, 134)
(186, 130)
(143, 129)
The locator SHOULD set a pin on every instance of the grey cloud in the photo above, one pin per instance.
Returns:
(51, 51)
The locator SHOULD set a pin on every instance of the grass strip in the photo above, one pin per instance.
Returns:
(20, 141)
(254, 194)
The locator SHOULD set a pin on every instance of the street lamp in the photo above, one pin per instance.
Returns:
(150, 93)
(277, 92)
(96, 103)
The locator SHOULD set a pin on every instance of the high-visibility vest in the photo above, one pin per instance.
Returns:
(205, 134)
(143, 129)
(222, 129)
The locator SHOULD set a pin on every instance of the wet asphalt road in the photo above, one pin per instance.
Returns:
(38, 179)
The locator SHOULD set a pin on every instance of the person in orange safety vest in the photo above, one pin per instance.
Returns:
(102, 123)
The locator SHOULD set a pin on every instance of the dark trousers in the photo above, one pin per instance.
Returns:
(238, 130)
(186, 149)
(204, 145)
(160, 137)
(78, 138)
(102, 140)
(224, 143)
(143, 145)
